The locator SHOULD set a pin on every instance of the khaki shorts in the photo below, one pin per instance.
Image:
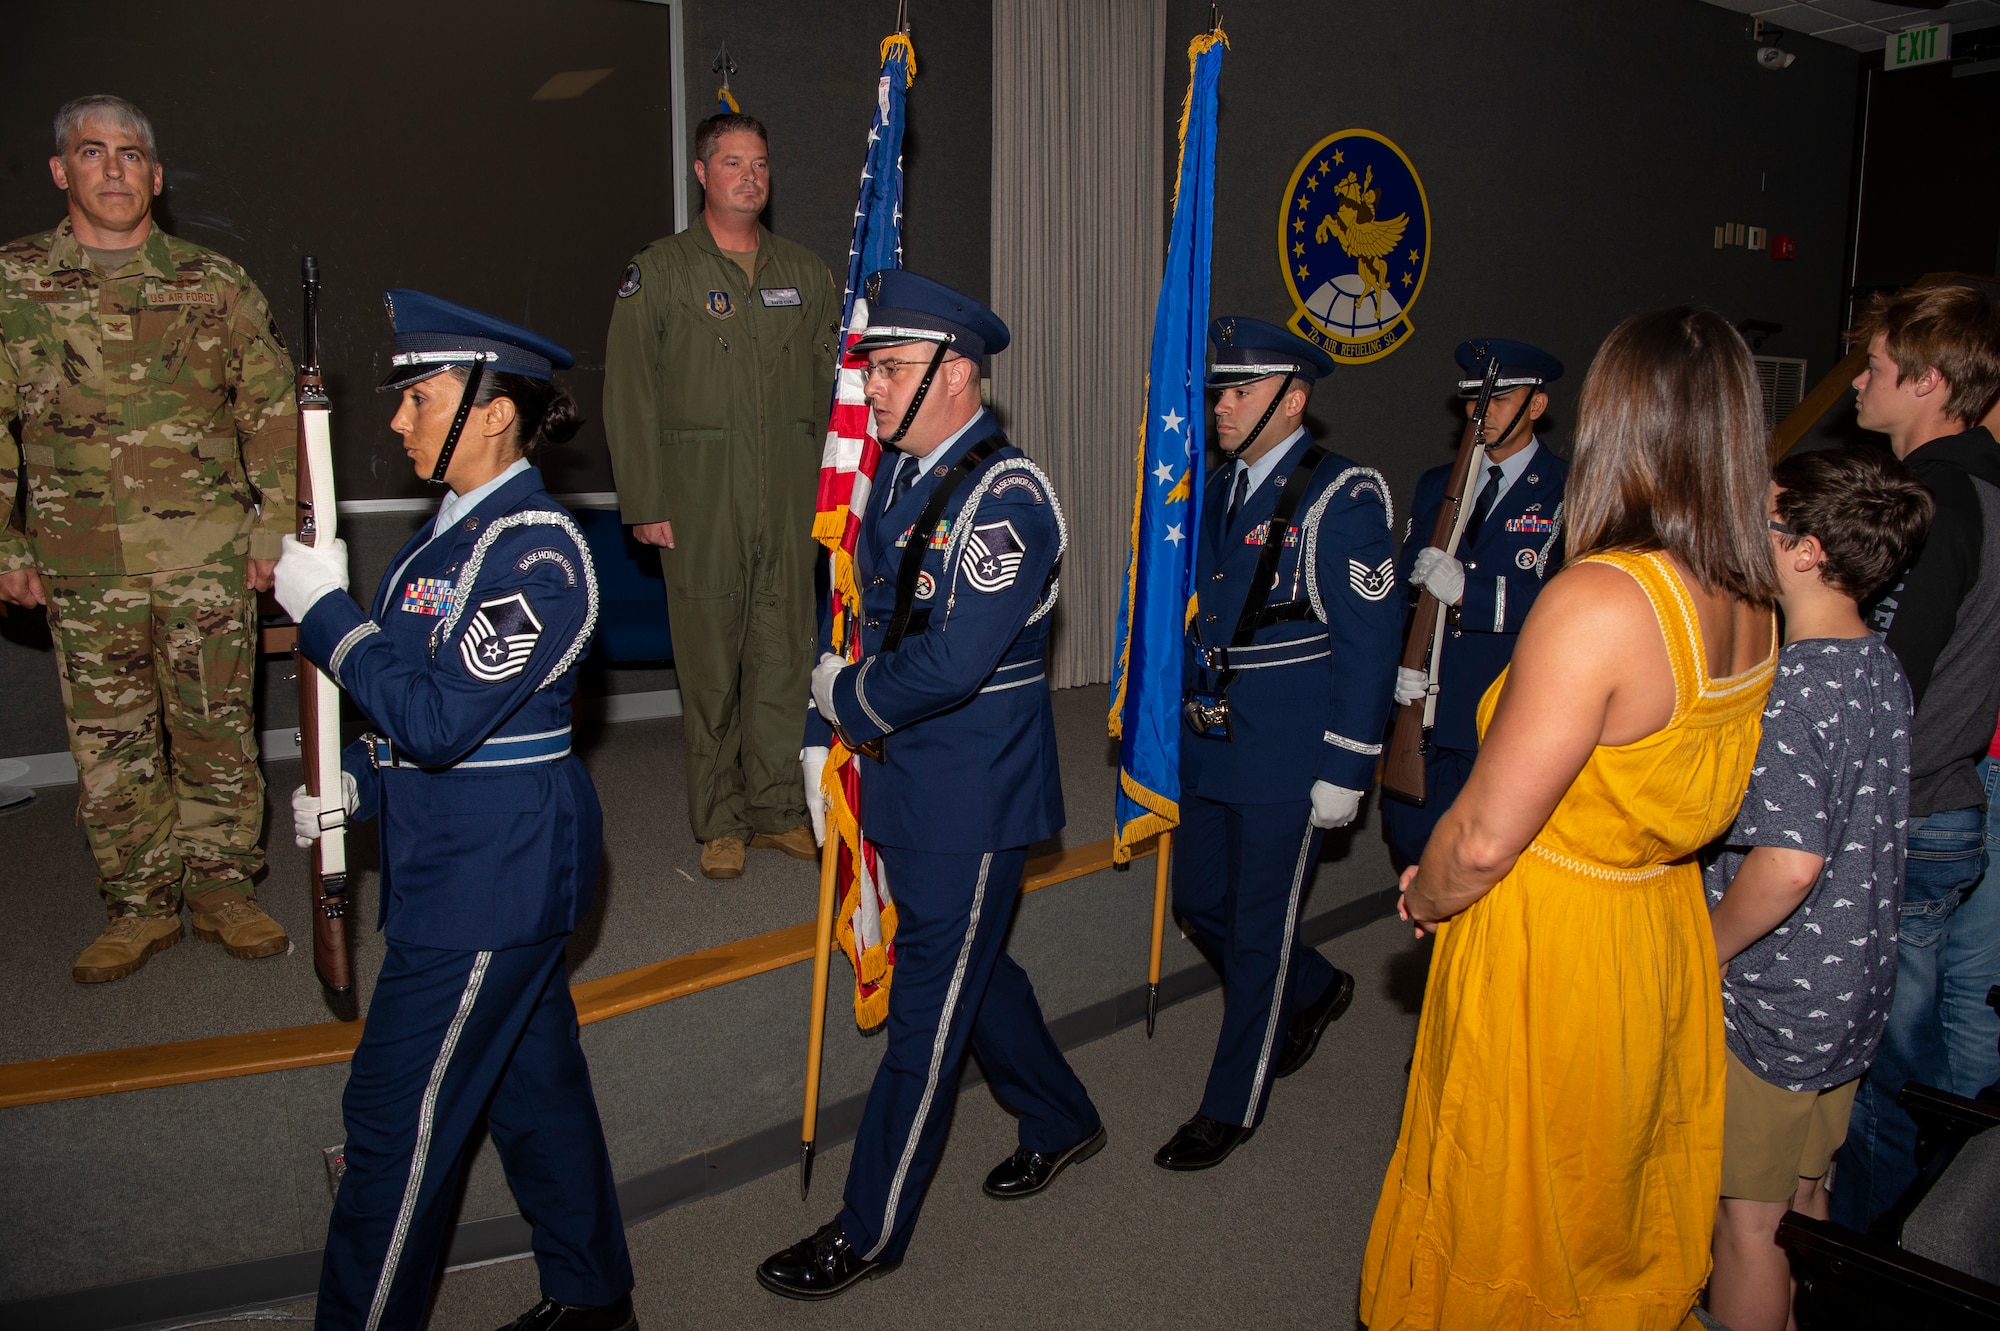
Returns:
(1772, 1137)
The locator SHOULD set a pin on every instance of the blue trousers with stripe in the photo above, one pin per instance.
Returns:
(1408, 827)
(955, 987)
(453, 1036)
(1240, 874)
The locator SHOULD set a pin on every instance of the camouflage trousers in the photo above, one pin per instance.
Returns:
(159, 687)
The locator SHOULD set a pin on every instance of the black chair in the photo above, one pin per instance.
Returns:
(1933, 1259)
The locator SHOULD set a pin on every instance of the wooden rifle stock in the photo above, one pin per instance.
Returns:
(319, 697)
(1403, 763)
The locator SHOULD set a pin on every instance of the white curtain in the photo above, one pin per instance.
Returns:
(1078, 240)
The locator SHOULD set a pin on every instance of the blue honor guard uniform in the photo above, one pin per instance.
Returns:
(1511, 546)
(955, 698)
(490, 842)
(1288, 670)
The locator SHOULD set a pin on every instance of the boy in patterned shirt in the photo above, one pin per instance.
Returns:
(1805, 890)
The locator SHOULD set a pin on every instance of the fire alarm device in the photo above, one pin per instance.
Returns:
(1784, 247)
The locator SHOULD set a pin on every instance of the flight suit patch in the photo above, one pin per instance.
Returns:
(629, 286)
(719, 306)
(777, 296)
(500, 638)
(992, 557)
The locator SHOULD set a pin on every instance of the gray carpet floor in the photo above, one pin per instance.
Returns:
(653, 902)
(1272, 1238)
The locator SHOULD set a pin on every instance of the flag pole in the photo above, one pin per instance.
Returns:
(1163, 848)
(816, 1023)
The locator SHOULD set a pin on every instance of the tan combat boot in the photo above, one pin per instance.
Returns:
(222, 916)
(124, 946)
(797, 843)
(722, 857)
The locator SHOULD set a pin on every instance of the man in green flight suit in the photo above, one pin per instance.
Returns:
(719, 371)
(159, 434)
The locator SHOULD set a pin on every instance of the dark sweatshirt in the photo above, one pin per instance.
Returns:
(1943, 620)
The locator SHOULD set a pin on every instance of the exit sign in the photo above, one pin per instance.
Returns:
(1917, 46)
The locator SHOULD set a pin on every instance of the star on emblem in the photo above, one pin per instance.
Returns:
(1407, 279)
(1322, 166)
(1302, 272)
(1298, 224)
(1312, 182)
(1299, 250)
(1174, 536)
(1172, 420)
(1302, 203)
(1413, 256)
(1338, 157)
(1163, 473)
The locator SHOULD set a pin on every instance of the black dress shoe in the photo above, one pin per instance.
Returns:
(819, 1267)
(1201, 1143)
(1026, 1172)
(1308, 1024)
(548, 1315)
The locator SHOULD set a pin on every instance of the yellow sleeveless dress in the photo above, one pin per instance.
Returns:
(1561, 1148)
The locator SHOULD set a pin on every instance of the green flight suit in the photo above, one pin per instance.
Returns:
(159, 437)
(716, 391)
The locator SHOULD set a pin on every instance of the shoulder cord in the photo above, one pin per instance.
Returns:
(1310, 554)
(461, 592)
(961, 529)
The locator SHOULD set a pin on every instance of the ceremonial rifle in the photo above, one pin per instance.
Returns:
(319, 697)
(1403, 765)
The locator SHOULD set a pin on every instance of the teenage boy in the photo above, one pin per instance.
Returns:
(1805, 893)
(1933, 372)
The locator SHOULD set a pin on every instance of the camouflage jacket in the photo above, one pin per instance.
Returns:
(157, 413)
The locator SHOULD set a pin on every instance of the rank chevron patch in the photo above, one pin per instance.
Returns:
(992, 556)
(500, 638)
(1371, 584)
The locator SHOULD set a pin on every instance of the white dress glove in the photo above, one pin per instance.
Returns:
(1441, 573)
(1334, 806)
(306, 573)
(306, 810)
(1411, 685)
(812, 763)
(823, 676)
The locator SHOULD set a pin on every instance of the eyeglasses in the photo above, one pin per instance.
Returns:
(1781, 529)
(891, 370)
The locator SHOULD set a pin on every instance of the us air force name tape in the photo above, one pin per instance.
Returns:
(1520, 365)
(1250, 349)
(906, 307)
(432, 335)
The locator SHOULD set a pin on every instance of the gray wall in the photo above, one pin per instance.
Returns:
(1576, 155)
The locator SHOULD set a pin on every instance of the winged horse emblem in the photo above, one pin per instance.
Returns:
(1366, 238)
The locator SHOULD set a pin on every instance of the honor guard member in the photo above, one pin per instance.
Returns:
(718, 373)
(1511, 545)
(158, 430)
(1291, 658)
(490, 838)
(957, 564)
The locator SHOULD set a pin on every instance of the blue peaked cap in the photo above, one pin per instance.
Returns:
(907, 307)
(433, 335)
(1250, 349)
(1519, 364)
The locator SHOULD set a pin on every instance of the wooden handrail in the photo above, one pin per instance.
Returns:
(142, 1067)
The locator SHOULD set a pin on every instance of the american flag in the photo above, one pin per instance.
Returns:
(867, 915)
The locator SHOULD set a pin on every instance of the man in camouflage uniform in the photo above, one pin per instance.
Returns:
(159, 431)
(718, 375)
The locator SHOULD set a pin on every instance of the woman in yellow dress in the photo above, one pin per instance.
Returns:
(1561, 1147)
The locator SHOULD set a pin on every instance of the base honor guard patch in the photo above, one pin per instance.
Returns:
(500, 638)
(427, 596)
(992, 557)
(1354, 239)
(719, 306)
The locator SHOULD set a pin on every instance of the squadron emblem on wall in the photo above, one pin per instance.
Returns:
(1354, 240)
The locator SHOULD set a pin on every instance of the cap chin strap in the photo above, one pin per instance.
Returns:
(1231, 454)
(923, 388)
(472, 378)
(1508, 433)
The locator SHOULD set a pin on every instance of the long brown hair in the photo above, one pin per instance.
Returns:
(1670, 451)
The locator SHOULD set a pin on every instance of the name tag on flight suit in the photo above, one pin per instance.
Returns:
(779, 296)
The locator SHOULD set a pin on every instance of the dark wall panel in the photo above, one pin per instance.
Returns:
(1577, 157)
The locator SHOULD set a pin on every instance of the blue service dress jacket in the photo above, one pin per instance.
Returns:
(1310, 697)
(962, 707)
(1516, 552)
(490, 829)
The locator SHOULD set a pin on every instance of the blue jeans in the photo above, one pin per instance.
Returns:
(1947, 858)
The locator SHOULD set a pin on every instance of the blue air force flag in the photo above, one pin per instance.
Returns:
(500, 638)
(1159, 579)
